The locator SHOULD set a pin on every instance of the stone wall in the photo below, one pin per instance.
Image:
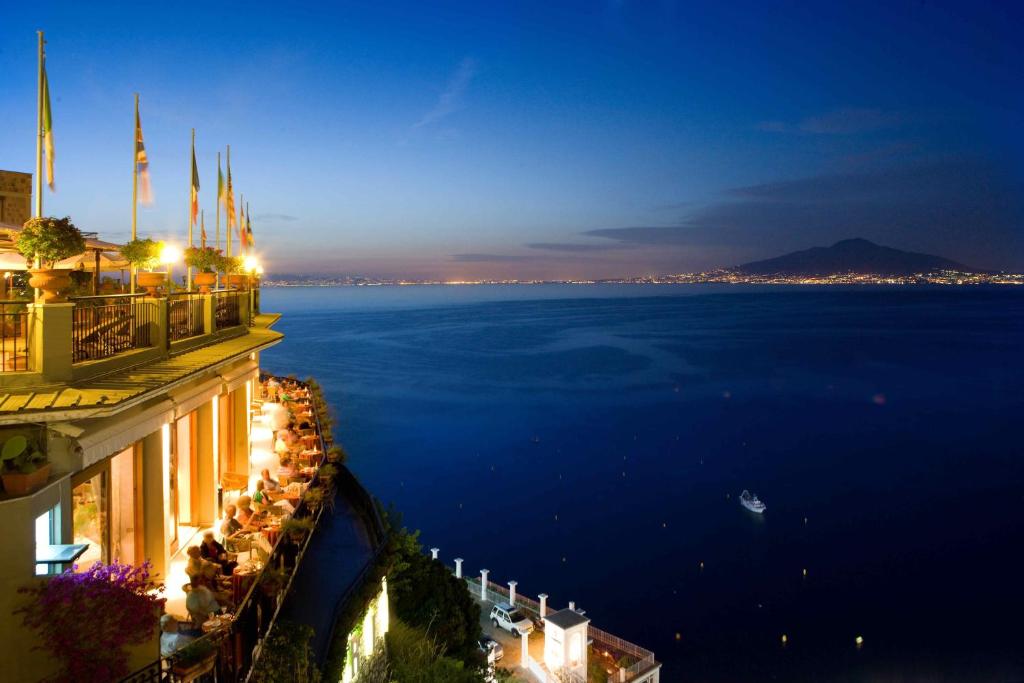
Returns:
(15, 197)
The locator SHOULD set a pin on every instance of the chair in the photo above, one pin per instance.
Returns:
(234, 481)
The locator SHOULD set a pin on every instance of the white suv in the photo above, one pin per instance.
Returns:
(511, 619)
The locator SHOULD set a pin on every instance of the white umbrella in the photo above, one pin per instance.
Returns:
(12, 260)
(87, 261)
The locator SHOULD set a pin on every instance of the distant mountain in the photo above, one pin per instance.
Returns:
(852, 256)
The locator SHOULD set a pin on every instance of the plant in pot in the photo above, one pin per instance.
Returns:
(233, 268)
(23, 466)
(50, 240)
(144, 255)
(206, 261)
(272, 580)
(85, 620)
(195, 659)
(336, 454)
(296, 529)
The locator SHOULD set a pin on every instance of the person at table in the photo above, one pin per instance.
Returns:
(235, 535)
(245, 512)
(270, 485)
(200, 602)
(214, 552)
(261, 499)
(171, 640)
(286, 470)
(202, 569)
(267, 502)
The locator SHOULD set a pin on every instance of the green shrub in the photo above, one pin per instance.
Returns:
(50, 240)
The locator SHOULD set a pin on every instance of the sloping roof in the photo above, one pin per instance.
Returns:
(108, 394)
(566, 618)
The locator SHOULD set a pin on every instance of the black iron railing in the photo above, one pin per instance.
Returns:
(13, 336)
(227, 308)
(104, 326)
(184, 315)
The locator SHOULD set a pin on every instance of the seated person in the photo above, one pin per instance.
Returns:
(286, 469)
(265, 502)
(200, 602)
(245, 513)
(214, 552)
(269, 484)
(170, 639)
(204, 571)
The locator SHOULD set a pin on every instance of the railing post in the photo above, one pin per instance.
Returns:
(512, 592)
(458, 567)
(483, 584)
(434, 552)
(209, 313)
(159, 327)
(243, 308)
(50, 345)
(543, 605)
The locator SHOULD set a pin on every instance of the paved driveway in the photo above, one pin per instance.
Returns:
(512, 645)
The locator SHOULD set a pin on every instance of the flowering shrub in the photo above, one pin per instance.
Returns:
(85, 620)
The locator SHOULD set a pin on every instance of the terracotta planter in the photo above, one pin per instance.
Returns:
(205, 280)
(151, 281)
(17, 484)
(53, 283)
(237, 280)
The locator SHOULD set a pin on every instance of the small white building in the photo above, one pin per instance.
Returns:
(565, 642)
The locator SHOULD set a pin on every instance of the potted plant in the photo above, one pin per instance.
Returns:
(50, 240)
(336, 454)
(23, 466)
(206, 261)
(314, 497)
(296, 529)
(144, 255)
(232, 267)
(194, 660)
(84, 620)
(272, 580)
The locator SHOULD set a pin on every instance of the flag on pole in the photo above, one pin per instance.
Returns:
(195, 186)
(202, 229)
(142, 163)
(229, 200)
(47, 130)
(221, 196)
(250, 240)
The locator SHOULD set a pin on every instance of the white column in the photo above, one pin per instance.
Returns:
(543, 605)
(512, 592)
(434, 552)
(572, 605)
(524, 654)
(483, 584)
(458, 567)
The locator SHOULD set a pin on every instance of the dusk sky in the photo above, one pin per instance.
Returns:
(549, 140)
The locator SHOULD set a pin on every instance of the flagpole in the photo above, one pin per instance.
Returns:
(227, 198)
(39, 132)
(238, 216)
(135, 185)
(248, 221)
(191, 161)
(216, 243)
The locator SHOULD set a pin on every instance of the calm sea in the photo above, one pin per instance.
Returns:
(591, 441)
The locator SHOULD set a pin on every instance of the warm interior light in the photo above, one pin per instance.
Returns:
(169, 254)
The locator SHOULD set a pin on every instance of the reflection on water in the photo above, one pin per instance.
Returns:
(593, 447)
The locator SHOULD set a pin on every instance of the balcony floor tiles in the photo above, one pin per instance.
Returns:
(124, 385)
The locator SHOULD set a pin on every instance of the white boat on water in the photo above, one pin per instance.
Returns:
(752, 502)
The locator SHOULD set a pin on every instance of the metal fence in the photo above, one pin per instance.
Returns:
(184, 315)
(227, 308)
(13, 336)
(104, 326)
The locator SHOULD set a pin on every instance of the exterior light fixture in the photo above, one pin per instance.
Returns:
(250, 264)
(169, 254)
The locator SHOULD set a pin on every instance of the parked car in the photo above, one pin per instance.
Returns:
(511, 619)
(491, 649)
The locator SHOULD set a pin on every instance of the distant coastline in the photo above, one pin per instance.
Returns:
(723, 276)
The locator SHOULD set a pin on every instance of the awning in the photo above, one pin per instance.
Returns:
(120, 431)
(193, 397)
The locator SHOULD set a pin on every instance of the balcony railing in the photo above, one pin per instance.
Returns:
(13, 336)
(227, 307)
(184, 315)
(104, 326)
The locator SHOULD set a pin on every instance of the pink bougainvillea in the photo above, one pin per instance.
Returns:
(86, 620)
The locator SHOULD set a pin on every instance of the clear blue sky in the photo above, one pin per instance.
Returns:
(538, 139)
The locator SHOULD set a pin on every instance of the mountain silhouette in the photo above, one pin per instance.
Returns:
(852, 256)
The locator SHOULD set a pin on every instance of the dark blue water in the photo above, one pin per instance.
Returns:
(590, 443)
